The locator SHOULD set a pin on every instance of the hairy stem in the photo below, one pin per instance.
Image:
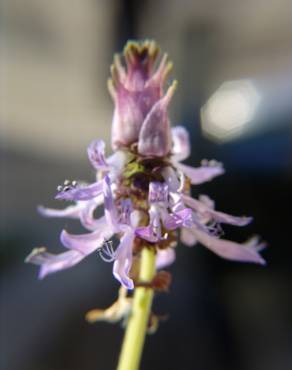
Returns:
(136, 329)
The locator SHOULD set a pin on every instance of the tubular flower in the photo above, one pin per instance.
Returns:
(143, 187)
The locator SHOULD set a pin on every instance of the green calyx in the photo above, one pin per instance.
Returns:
(133, 168)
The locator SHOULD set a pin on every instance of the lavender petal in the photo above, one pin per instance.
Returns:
(85, 243)
(146, 233)
(246, 252)
(51, 263)
(209, 213)
(158, 192)
(87, 214)
(126, 211)
(198, 175)
(179, 219)
(187, 237)
(207, 201)
(70, 212)
(171, 179)
(109, 206)
(81, 192)
(123, 262)
(96, 155)
(181, 143)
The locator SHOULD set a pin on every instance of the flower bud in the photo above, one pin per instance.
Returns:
(140, 114)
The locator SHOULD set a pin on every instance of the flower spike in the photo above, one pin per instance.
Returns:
(140, 201)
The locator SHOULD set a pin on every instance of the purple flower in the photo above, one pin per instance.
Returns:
(96, 155)
(182, 149)
(143, 187)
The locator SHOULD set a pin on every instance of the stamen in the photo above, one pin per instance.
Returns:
(106, 252)
(211, 163)
(165, 236)
(215, 229)
(68, 185)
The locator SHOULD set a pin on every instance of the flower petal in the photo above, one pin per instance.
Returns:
(198, 175)
(96, 155)
(146, 232)
(246, 252)
(87, 214)
(81, 192)
(181, 143)
(229, 219)
(158, 192)
(70, 212)
(207, 201)
(171, 179)
(82, 209)
(123, 262)
(51, 263)
(179, 219)
(86, 243)
(209, 213)
(187, 237)
(110, 210)
(126, 211)
(165, 257)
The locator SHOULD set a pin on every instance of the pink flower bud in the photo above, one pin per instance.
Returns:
(140, 114)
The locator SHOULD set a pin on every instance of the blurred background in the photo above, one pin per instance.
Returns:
(233, 61)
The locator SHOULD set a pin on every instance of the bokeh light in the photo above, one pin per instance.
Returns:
(229, 110)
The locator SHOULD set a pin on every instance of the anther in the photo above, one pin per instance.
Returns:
(165, 236)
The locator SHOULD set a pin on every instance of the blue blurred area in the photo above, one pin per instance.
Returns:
(267, 153)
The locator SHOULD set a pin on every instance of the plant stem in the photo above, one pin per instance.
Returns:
(136, 328)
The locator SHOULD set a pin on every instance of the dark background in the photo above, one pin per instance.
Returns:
(55, 61)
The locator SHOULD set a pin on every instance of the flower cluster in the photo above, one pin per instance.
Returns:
(143, 187)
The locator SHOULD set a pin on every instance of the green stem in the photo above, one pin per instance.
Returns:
(136, 329)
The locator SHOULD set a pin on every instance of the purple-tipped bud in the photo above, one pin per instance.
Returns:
(140, 114)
